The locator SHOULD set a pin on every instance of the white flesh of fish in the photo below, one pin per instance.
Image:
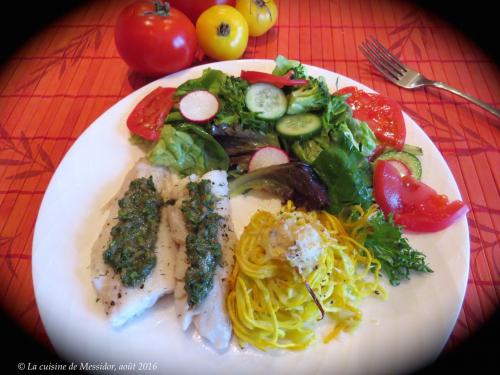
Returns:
(210, 317)
(122, 303)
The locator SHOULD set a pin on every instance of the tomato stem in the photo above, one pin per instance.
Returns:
(224, 29)
(262, 4)
(162, 8)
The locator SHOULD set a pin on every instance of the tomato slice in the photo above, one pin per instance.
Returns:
(383, 115)
(146, 119)
(416, 206)
(278, 81)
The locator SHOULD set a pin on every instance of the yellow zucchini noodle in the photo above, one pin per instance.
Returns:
(268, 302)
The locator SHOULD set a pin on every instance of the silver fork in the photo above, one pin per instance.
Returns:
(403, 76)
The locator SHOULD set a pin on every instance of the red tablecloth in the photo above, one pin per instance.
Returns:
(64, 78)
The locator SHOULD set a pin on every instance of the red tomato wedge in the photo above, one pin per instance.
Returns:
(278, 81)
(146, 119)
(416, 206)
(383, 115)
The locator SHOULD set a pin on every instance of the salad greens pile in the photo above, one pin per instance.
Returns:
(338, 155)
(231, 93)
(329, 168)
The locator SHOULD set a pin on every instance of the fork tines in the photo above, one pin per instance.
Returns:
(383, 59)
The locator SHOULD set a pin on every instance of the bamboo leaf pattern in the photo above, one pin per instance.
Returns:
(46, 158)
(480, 208)
(26, 145)
(62, 68)
(417, 50)
(456, 133)
(30, 306)
(14, 162)
(65, 56)
(26, 174)
(23, 149)
(98, 39)
(404, 34)
(5, 137)
(6, 243)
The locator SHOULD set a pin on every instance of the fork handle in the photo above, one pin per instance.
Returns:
(474, 100)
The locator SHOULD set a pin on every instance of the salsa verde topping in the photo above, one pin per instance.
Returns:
(202, 248)
(131, 252)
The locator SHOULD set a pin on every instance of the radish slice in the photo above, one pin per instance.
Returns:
(199, 106)
(267, 156)
(401, 167)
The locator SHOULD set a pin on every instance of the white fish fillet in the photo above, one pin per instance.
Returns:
(122, 303)
(210, 317)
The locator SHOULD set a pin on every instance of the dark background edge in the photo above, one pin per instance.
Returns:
(19, 21)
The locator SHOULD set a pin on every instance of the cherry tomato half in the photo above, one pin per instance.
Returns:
(148, 116)
(383, 115)
(155, 39)
(415, 205)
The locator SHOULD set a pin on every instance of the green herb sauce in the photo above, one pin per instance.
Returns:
(131, 252)
(202, 248)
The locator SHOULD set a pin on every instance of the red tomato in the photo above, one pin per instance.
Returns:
(382, 114)
(278, 81)
(416, 206)
(193, 8)
(154, 39)
(146, 120)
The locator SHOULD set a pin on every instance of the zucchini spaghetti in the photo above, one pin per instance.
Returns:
(277, 256)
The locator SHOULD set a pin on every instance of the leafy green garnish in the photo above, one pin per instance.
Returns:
(188, 149)
(311, 97)
(283, 66)
(395, 254)
(233, 109)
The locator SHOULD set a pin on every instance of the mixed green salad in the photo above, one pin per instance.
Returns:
(286, 133)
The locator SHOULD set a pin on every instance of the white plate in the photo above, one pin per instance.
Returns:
(408, 330)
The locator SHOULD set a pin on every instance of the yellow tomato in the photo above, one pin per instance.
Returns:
(222, 32)
(261, 15)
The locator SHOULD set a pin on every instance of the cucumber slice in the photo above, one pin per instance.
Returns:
(414, 150)
(299, 127)
(410, 160)
(266, 100)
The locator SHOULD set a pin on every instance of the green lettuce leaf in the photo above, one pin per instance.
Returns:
(188, 149)
(365, 139)
(346, 173)
(210, 80)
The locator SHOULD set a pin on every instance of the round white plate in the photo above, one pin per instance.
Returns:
(408, 330)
